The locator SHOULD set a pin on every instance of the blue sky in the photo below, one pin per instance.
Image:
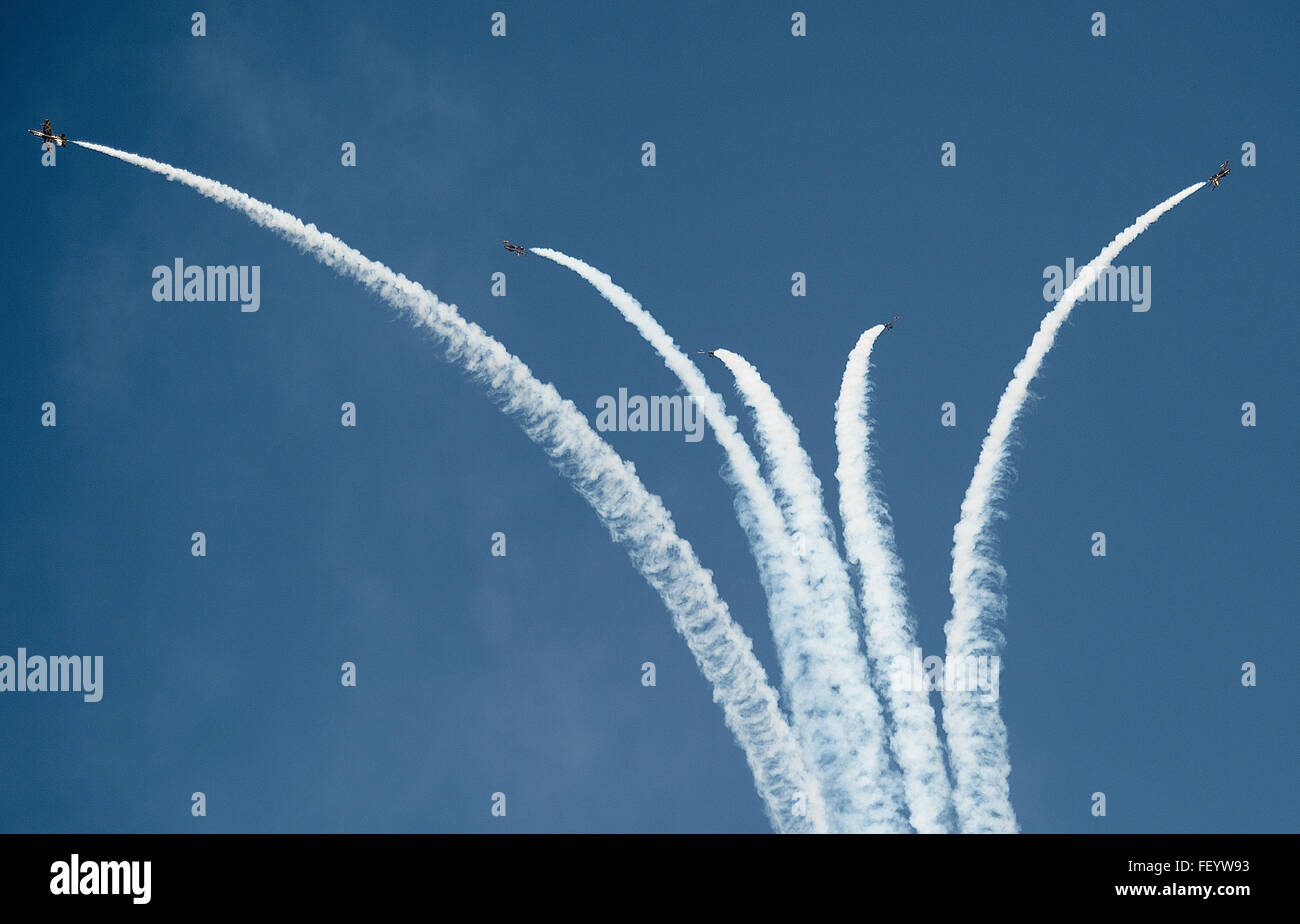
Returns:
(774, 155)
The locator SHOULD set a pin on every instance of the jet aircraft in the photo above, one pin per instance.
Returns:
(46, 134)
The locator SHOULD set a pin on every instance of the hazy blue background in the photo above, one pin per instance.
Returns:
(775, 155)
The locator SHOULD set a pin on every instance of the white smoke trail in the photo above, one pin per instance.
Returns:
(977, 737)
(890, 630)
(634, 517)
(875, 784)
(815, 712)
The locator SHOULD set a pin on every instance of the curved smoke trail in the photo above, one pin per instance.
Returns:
(869, 778)
(890, 629)
(634, 517)
(977, 736)
(811, 701)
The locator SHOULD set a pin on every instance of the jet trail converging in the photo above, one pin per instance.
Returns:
(977, 736)
(634, 517)
(817, 711)
(868, 778)
(890, 629)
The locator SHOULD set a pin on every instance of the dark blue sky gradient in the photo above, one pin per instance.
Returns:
(775, 155)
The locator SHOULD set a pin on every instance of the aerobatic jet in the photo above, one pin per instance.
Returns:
(1224, 170)
(517, 249)
(889, 325)
(47, 134)
(708, 353)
